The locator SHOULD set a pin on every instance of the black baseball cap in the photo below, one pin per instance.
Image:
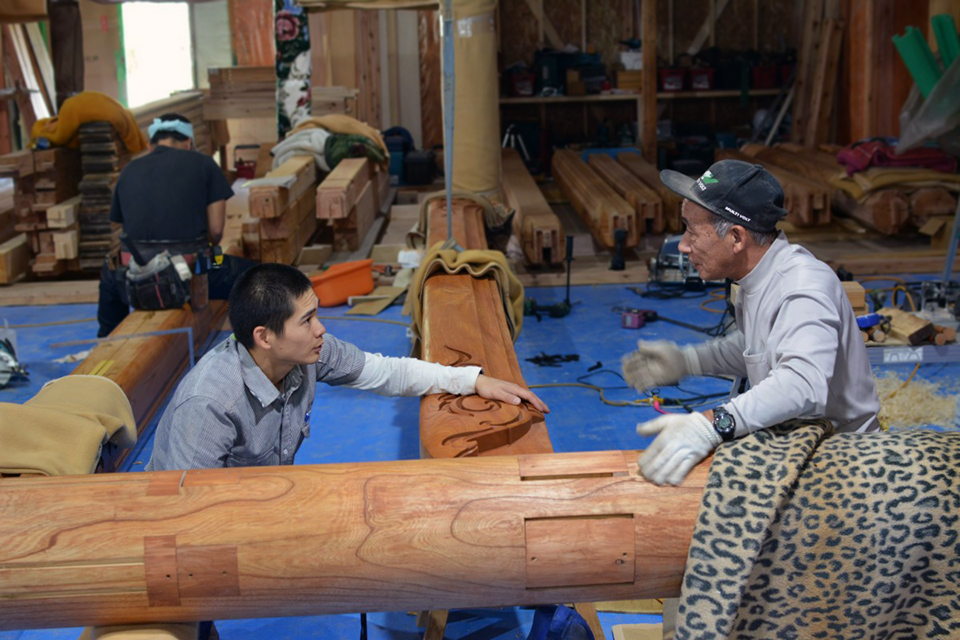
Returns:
(743, 193)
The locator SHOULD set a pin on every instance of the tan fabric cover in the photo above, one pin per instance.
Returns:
(476, 139)
(63, 129)
(61, 430)
(477, 264)
(170, 631)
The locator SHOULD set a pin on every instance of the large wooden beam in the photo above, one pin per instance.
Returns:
(651, 176)
(644, 199)
(534, 222)
(599, 206)
(323, 539)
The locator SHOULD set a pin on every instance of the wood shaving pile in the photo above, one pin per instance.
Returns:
(921, 403)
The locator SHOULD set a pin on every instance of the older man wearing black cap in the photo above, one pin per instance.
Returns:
(797, 340)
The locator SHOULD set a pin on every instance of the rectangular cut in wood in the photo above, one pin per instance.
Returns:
(645, 200)
(66, 244)
(570, 551)
(534, 222)
(588, 464)
(63, 214)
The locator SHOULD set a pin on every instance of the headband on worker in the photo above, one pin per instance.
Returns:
(176, 126)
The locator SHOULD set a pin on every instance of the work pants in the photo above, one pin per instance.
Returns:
(114, 305)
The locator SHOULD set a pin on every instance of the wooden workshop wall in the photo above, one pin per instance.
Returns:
(251, 26)
(102, 49)
(431, 107)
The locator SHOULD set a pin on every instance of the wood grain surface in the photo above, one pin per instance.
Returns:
(112, 549)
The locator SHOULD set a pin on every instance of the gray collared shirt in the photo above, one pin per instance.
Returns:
(227, 413)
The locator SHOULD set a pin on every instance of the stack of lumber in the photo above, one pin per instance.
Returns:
(45, 183)
(284, 206)
(349, 198)
(534, 222)
(103, 156)
(599, 206)
(887, 200)
(241, 92)
(817, 73)
(650, 175)
(147, 367)
(807, 202)
(644, 200)
(208, 134)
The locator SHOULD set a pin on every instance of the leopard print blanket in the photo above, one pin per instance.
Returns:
(801, 535)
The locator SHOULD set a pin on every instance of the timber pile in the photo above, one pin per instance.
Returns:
(239, 543)
(807, 202)
(350, 198)
(283, 204)
(599, 206)
(103, 156)
(44, 181)
(208, 134)
(241, 92)
(534, 222)
(147, 367)
(645, 200)
(650, 175)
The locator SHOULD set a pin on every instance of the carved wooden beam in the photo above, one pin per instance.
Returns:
(324, 539)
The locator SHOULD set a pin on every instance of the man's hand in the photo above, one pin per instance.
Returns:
(683, 441)
(495, 389)
(658, 362)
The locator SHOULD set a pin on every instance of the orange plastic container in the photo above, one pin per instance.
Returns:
(343, 280)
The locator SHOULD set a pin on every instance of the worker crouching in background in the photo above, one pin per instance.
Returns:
(173, 199)
(796, 342)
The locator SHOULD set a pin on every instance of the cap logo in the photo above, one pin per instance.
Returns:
(705, 179)
(736, 213)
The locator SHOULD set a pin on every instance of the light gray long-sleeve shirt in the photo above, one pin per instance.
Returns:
(798, 344)
(227, 413)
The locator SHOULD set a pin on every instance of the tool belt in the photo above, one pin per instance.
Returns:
(164, 283)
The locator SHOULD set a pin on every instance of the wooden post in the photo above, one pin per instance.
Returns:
(649, 55)
(208, 544)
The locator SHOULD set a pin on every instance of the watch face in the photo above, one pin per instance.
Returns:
(724, 423)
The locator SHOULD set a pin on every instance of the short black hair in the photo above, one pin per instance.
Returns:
(265, 296)
(164, 135)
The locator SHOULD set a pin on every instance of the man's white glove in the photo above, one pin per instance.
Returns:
(659, 362)
(684, 440)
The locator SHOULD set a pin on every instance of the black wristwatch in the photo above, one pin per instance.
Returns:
(724, 424)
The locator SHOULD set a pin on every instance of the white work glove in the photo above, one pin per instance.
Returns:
(659, 362)
(684, 440)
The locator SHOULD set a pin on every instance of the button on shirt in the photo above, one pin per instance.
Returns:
(227, 413)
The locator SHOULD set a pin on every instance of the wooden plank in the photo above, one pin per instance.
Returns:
(908, 327)
(270, 201)
(14, 258)
(649, 100)
(349, 232)
(648, 172)
(534, 222)
(825, 83)
(368, 68)
(66, 244)
(252, 32)
(63, 214)
(42, 64)
(599, 206)
(337, 194)
(18, 164)
(431, 109)
(645, 200)
(806, 59)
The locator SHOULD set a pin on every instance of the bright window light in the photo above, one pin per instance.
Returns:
(156, 39)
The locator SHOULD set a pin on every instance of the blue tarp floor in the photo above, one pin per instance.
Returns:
(583, 348)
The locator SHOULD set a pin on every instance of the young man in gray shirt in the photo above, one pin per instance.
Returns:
(247, 402)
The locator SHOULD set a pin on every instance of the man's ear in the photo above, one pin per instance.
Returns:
(262, 338)
(739, 235)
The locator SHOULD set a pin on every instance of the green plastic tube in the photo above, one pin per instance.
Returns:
(946, 32)
(921, 63)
